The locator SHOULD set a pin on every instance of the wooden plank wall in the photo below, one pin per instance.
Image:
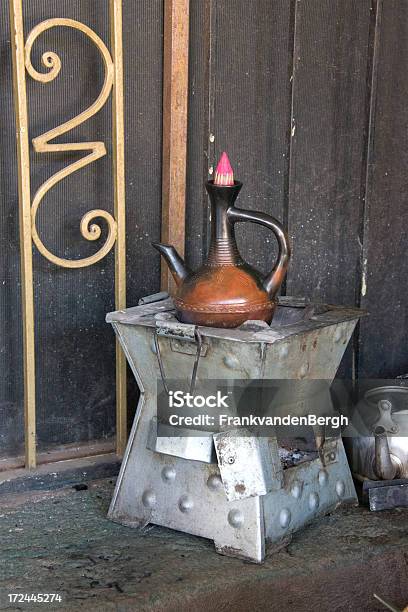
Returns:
(329, 120)
(384, 336)
(308, 98)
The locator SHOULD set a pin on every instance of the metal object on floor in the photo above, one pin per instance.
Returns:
(190, 489)
(385, 494)
(379, 454)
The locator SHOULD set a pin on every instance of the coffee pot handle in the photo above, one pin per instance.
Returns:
(274, 278)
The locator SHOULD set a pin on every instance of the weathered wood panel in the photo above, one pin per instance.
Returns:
(328, 140)
(202, 15)
(249, 113)
(328, 128)
(384, 291)
(174, 159)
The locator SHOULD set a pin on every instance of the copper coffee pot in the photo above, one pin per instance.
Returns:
(225, 291)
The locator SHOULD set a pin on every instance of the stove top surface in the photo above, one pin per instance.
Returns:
(293, 316)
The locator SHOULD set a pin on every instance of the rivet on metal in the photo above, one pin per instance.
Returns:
(185, 503)
(313, 501)
(211, 138)
(214, 482)
(285, 517)
(235, 518)
(231, 362)
(323, 478)
(340, 488)
(149, 498)
(168, 474)
(296, 490)
(231, 460)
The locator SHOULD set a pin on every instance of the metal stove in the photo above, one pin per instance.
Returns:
(244, 493)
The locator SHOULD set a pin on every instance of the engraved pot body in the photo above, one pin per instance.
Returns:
(225, 291)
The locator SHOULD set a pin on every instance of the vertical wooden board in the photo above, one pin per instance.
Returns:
(384, 335)
(143, 78)
(143, 71)
(174, 136)
(252, 47)
(198, 129)
(329, 118)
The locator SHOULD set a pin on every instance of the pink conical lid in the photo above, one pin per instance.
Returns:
(224, 174)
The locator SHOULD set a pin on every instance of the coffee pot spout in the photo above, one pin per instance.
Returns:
(176, 264)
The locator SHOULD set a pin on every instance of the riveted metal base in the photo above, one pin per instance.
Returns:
(195, 496)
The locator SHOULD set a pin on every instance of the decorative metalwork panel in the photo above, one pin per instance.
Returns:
(28, 208)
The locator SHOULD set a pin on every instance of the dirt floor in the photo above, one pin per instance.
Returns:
(61, 542)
